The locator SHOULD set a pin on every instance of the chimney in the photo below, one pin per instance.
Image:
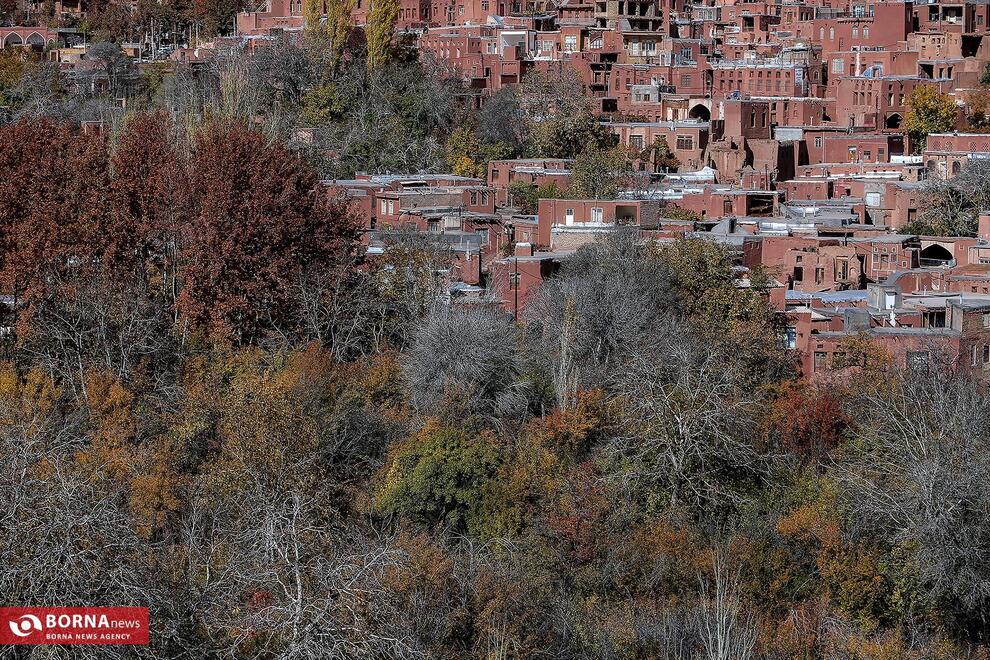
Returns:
(526, 249)
(983, 228)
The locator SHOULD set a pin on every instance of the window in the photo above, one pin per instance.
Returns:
(919, 359)
(986, 353)
(974, 358)
(685, 142)
(799, 273)
(790, 338)
(686, 80)
(819, 141)
(484, 5)
(391, 207)
(570, 43)
(819, 275)
(569, 217)
(838, 65)
(986, 320)
(636, 142)
(597, 215)
(384, 207)
(819, 360)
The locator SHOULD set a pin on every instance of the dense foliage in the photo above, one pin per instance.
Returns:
(632, 473)
(212, 405)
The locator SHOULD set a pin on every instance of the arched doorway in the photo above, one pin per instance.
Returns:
(936, 255)
(893, 121)
(700, 112)
(13, 39)
(36, 41)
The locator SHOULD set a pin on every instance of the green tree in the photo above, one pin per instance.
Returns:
(565, 136)
(526, 196)
(441, 476)
(660, 155)
(11, 70)
(598, 173)
(931, 112)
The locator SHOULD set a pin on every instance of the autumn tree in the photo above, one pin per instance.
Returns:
(467, 155)
(380, 31)
(808, 420)
(329, 36)
(149, 194)
(930, 112)
(53, 204)
(261, 220)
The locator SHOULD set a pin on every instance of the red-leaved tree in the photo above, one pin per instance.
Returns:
(150, 194)
(54, 206)
(261, 219)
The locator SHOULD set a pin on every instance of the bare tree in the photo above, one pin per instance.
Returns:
(468, 355)
(921, 477)
(609, 300)
(688, 420)
(728, 628)
(88, 322)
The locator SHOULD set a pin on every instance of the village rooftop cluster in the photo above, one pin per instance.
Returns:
(787, 121)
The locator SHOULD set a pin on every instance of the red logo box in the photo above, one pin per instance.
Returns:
(74, 625)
